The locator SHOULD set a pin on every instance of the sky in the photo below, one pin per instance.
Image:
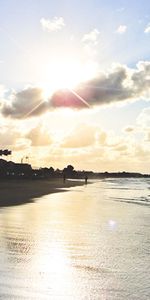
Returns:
(75, 83)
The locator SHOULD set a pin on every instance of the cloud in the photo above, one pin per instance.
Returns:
(142, 153)
(148, 137)
(67, 98)
(8, 137)
(12, 137)
(147, 29)
(121, 9)
(90, 40)
(143, 119)
(118, 85)
(102, 137)
(141, 77)
(81, 136)
(91, 37)
(121, 148)
(129, 129)
(54, 24)
(39, 137)
(21, 144)
(106, 88)
(121, 29)
(2, 91)
(27, 102)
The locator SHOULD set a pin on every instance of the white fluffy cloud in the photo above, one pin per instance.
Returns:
(54, 24)
(91, 37)
(147, 29)
(143, 119)
(90, 41)
(121, 29)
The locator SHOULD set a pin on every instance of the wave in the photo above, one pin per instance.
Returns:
(139, 201)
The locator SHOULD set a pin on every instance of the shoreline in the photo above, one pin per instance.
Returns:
(17, 192)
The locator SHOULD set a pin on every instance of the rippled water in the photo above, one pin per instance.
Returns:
(92, 242)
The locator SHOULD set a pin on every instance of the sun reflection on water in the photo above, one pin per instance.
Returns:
(73, 245)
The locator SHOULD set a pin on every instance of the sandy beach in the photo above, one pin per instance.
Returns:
(16, 192)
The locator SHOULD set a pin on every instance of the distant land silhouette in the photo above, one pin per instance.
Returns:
(12, 170)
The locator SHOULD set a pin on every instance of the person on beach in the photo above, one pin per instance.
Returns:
(86, 179)
(64, 178)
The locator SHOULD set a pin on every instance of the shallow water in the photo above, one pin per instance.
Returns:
(92, 242)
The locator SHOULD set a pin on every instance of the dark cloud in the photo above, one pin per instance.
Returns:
(67, 98)
(27, 102)
(106, 88)
(120, 84)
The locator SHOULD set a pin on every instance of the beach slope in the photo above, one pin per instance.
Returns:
(16, 192)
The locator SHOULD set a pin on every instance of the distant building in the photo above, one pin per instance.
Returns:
(14, 169)
(22, 169)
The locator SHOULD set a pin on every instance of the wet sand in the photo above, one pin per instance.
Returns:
(89, 243)
(17, 192)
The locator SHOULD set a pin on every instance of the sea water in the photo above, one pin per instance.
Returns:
(92, 242)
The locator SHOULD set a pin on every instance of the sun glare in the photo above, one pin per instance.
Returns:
(64, 75)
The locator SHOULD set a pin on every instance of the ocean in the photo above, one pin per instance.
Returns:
(91, 242)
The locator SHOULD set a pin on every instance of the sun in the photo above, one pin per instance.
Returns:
(63, 75)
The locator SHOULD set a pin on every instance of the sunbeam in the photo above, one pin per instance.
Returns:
(34, 109)
(80, 98)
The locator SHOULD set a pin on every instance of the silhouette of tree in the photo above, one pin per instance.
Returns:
(70, 168)
(5, 152)
(68, 171)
